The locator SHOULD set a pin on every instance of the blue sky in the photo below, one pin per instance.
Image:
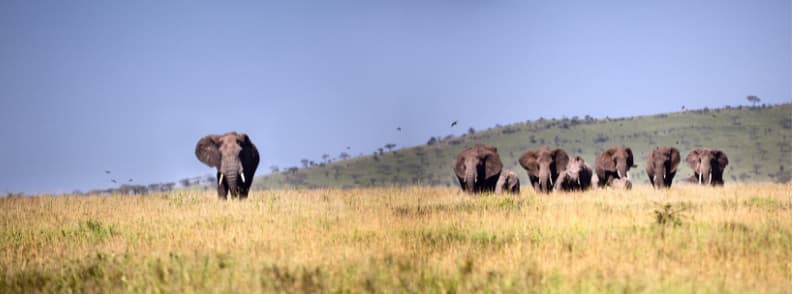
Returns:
(130, 87)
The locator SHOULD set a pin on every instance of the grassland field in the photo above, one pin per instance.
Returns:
(734, 239)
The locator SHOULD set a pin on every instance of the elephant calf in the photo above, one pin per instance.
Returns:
(576, 177)
(508, 182)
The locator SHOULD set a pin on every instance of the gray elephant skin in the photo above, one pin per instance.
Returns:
(508, 182)
(576, 177)
(661, 166)
(478, 168)
(708, 166)
(543, 166)
(236, 159)
(614, 163)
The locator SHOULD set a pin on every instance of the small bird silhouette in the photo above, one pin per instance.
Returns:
(683, 107)
(107, 171)
(348, 147)
(398, 129)
(130, 180)
(454, 123)
(114, 181)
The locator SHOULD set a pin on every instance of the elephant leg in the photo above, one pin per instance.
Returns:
(222, 191)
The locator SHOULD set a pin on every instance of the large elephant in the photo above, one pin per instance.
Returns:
(708, 165)
(508, 182)
(661, 166)
(614, 163)
(236, 159)
(543, 167)
(576, 177)
(478, 168)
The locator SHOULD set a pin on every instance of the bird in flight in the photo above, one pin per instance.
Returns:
(130, 180)
(454, 123)
(398, 129)
(114, 181)
(348, 147)
(107, 171)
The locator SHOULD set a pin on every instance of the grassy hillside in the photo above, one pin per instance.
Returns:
(734, 239)
(758, 142)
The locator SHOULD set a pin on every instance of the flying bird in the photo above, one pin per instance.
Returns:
(114, 181)
(348, 148)
(454, 123)
(398, 129)
(130, 180)
(107, 171)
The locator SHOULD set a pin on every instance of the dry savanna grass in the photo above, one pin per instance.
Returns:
(732, 239)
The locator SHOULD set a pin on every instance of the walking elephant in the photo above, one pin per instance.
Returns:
(543, 167)
(478, 168)
(236, 159)
(661, 166)
(576, 177)
(508, 182)
(614, 163)
(708, 165)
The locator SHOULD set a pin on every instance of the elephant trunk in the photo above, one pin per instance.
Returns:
(623, 170)
(234, 178)
(545, 180)
(470, 177)
(705, 173)
(659, 177)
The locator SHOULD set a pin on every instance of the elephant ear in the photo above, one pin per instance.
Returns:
(492, 164)
(249, 154)
(723, 160)
(675, 159)
(693, 159)
(208, 150)
(630, 162)
(561, 159)
(529, 161)
(459, 164)
(605, 160)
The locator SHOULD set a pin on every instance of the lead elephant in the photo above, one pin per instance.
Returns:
(576, 177)
(236, 159)
(661, 166)
(614, 163)
(508, 182)
(543, 167)
(478, 168)
(708, 165)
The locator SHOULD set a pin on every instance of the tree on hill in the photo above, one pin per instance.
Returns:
(753, 99)
(343, 156)
(305, 162)
(390, 146)
(274, 168)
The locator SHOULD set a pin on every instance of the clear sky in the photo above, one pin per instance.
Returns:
(130, 86)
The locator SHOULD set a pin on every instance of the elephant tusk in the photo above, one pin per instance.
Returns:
(551, 180)
(710, 180)
(242, 174)
(618, 172)
(220, 181)
(655, 179)
(628, 175)
(700, 178)
(579, 182)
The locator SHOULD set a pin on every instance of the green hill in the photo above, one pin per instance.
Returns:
(757, 141)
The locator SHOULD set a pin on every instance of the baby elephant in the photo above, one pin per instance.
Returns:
(508, 182)
(576, 177)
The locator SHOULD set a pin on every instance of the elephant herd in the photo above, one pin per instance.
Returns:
(479, 169)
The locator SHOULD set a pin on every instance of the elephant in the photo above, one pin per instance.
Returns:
(576, 177)
(708, 165)
(614, 163)
(661, 166)
(543, 166)
(508, 182)
(236, 159)
(478, 168)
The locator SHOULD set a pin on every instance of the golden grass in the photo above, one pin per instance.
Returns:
(732, 239)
